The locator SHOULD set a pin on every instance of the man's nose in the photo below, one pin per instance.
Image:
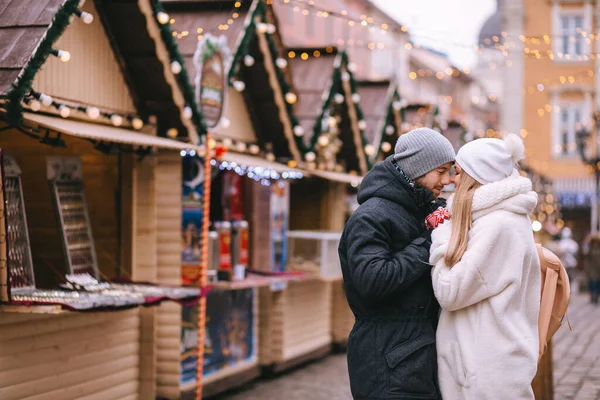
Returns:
(446, 179)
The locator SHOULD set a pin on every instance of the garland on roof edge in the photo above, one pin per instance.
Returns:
(336, 87)
(243, 49)
(390, 115)
(183, 77)
(22, 86)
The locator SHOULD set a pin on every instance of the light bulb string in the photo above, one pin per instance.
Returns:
(73, 106)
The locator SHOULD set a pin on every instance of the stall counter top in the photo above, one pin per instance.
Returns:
(252, 280)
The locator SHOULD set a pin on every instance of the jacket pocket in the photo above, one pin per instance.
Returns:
(451, 357)
(411, 369)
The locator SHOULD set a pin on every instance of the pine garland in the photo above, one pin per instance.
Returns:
(24, 83)
(335, 88)
(243, 49)
(182, 78)
(389, 116)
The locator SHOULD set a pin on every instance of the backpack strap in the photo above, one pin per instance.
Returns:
(547, 300)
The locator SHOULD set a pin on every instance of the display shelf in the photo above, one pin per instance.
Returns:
(315, 253)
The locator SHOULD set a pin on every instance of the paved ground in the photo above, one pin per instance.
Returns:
(576, 371)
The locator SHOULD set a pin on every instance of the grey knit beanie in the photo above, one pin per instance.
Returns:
(422, 150)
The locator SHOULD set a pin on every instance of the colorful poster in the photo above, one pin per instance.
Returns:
(191, 235)
(229, 336)
(280, 207)
(191, 219)
(189, 345)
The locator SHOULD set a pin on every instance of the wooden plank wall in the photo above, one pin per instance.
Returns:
(168, 204)
(91, 356)
(341, 315)
(298, 321)
(92, 76)
(144, 262)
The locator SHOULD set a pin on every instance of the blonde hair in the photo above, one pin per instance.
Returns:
(462, 218)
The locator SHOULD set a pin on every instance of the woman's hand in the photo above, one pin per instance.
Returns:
(436, 218)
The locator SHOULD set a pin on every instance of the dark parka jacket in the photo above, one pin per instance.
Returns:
(384, 254)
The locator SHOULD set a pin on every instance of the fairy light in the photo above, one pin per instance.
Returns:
(163, 18)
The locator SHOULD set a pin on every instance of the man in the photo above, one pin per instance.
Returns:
(384, 252)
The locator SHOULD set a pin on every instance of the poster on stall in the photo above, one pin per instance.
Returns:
(189, 345)
(229, 335)
(279, 217)
(191, 219)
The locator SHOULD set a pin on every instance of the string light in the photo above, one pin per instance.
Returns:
(163, 18)
(172, 133)
(338, 98)
(92, 112)
(259, 174)
(176, 67)
(248, 60)
(291, 98)
(254, 149)
(116, 120)
(137, 123)
(239, 86)
(187, 112)
(86, 17)
(225, 123)
(35, 105)
(298, 130)
(62, 55)
(64, 111)
(45, 99)
(386, 147)
(281, 63)
(356, 98)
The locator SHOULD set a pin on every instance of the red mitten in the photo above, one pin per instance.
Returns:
(437, 217)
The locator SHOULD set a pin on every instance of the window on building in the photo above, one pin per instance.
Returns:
(571, 120)
(571, 29)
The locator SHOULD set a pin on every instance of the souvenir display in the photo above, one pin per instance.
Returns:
(315, 253)
(81, 290)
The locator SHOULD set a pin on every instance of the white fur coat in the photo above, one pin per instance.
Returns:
(487, 338)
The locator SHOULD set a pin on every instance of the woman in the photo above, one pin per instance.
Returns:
(486, 277)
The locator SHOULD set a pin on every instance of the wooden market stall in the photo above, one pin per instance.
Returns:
(338, 156)
(257, 143)
(83, 159)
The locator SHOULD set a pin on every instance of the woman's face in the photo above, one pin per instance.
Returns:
(456, 175)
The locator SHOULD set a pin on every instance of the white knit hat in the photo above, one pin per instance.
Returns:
(491, 160)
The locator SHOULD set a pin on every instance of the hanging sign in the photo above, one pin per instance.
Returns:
(212, 59)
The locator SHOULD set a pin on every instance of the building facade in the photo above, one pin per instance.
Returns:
(549, 93)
